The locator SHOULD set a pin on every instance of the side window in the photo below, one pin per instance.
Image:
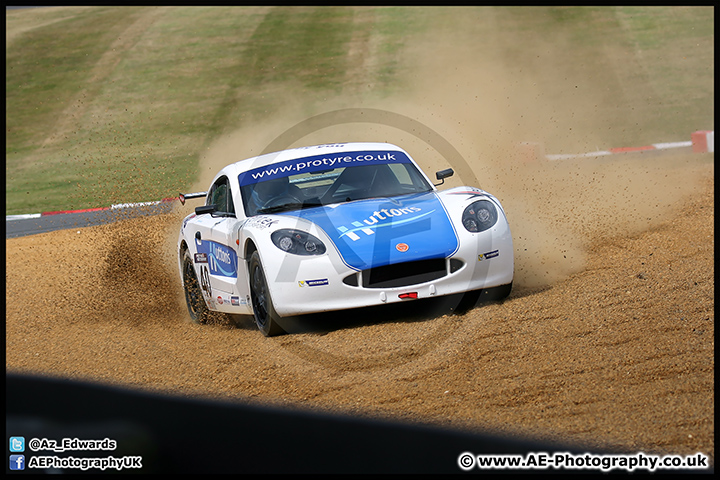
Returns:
(219, 196)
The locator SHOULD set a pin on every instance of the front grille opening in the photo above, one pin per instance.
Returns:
(455, 265)
(403, 274)
(351, 280)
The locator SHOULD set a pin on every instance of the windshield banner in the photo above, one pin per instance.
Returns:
(320, 163)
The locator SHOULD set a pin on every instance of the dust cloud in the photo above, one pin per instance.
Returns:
(486, 106)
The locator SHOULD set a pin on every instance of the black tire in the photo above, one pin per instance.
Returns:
(496, 294)
(197, 308)
(467, 302)
(263, 309)
(470, 299)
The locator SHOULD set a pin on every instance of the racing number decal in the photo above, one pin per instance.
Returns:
(205, 280)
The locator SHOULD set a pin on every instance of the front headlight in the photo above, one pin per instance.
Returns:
(479, 216)
(297, 242)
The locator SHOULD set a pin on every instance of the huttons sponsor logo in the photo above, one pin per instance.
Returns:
(377, 219)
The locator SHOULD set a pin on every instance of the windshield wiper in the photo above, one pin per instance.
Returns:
(289, 206)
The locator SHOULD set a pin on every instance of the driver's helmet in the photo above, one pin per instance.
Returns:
(265, 191)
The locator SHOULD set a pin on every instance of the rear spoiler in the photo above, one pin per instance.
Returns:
(188, 196)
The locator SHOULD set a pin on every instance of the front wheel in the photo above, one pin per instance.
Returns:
(263, 309)
(470, 299)
(496, 294)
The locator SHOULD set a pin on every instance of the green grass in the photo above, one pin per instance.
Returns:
(633, 75)
(117, 104)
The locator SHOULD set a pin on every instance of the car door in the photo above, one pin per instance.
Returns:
(216, 254)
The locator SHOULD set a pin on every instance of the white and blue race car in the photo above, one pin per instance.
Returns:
(334, 227)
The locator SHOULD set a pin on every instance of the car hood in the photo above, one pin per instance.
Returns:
(381, 231)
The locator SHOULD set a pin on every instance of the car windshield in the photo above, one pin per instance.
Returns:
(279, 191)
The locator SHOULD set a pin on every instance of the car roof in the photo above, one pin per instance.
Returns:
(302, 152)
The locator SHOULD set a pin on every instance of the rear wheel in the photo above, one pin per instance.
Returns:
(263, 309)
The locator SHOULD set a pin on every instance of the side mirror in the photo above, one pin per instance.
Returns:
(443, 174)
(212, 211)
(202, 210)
